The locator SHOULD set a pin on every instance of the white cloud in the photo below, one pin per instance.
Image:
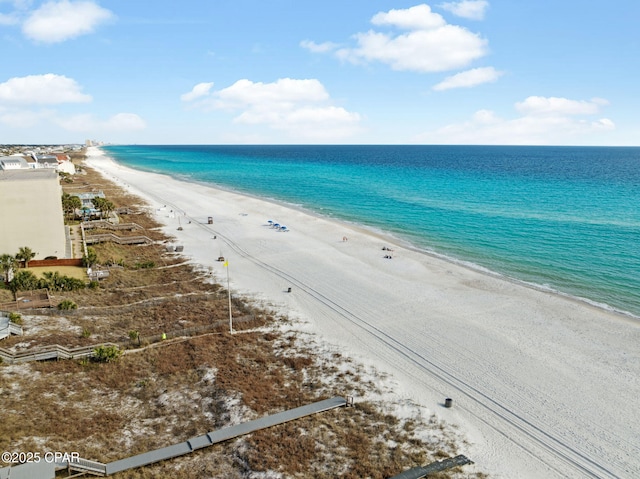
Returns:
(471, 9)
(318, 47)
(486, 117)
(56, 22)
(544, 121)
(604, 124)
(301, 108)
(419, 17)
(16, 16)
(430, 45)
(8, 19)
(125, 122)
(88, 123)
(22, 118)
(25, 119)
(537, 105)
(46, 89)
(198, 91)
(283, 94)
(18, 4)
(469, 78)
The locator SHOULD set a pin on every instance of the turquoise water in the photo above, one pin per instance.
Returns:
(566, 218)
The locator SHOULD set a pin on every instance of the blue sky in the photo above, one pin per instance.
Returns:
(560, 72)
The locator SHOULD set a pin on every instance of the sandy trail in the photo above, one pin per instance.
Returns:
(543, 385)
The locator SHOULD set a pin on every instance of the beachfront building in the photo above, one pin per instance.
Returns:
(61, 162)
(14, 162)
(31, 212)
(88, 208)
(66, 166)
(46, 161)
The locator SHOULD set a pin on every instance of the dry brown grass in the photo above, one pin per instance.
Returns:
(71, 271)
(172, 390)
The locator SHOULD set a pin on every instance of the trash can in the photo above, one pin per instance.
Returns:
(448, 402)
(210, 220)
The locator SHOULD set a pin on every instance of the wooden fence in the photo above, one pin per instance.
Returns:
(60, 352)
(106, 225)
(102, 238)
(45, 353)
(34, 263)
(28, 300)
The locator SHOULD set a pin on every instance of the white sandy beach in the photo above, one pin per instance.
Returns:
(543, 386)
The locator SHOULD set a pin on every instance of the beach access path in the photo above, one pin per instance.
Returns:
(543, 386)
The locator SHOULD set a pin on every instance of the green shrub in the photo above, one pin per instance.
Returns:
(24, 280)
(67, 304)
(145, 265)
(55, 282)
(15, 318)
(106, 354)
(90, 258)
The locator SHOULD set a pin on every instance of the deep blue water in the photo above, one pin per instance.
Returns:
(567, 218)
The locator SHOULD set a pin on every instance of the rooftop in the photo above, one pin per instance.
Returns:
(27, 174)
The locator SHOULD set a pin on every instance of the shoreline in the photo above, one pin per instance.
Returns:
(408, 244)
(510, 355)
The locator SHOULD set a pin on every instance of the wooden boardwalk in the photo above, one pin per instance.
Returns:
(106, 225)
(78, 466)
(222, 435)
(46, 353)
(439, 466)
(102, 238)
(7, 328)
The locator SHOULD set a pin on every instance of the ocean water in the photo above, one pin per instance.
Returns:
(562, 218)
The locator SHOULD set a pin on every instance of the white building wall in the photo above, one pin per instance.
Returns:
(67, 167)
(31, 213)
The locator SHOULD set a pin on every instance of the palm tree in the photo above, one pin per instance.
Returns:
(90, 258)
(97, 202)
(104, 205)
(24, 281)
(70, 204)
(108, 207)
(8, 263)
(25, 254)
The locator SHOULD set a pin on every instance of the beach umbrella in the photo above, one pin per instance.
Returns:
(270, 222)
(276, 225)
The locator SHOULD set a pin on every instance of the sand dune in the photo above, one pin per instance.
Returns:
(543, 386)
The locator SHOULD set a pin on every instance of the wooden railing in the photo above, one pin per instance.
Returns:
(85, 466)
(54, 351)
(106, 225)
(28, 300)
(101, 238)
(7, 329)
(60, 352)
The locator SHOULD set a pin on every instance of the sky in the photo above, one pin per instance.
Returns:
(561, 72)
